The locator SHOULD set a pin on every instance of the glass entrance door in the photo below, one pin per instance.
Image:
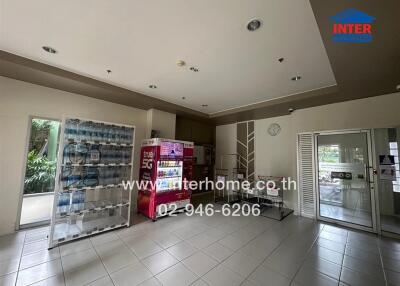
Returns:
(387, 143)
(40, 173)
(344, 179)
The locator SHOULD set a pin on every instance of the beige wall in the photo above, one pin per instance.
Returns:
(19, 100)
(277, 155)
(225, 143)
(162, 121)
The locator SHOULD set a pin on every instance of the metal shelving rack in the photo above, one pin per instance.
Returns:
(94, 159)
(271, 200)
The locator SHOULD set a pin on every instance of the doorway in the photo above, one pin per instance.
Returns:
(387, 141)
(344, 179)
(40, 171)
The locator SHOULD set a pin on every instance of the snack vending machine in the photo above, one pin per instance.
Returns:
(165, 166)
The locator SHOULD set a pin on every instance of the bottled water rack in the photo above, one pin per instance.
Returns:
(96, 165)
(84, 204)
(98, 187)
(93, 228)
(80, 212)
(98, 142)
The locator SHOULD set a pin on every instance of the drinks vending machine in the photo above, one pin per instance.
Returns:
(164, 167)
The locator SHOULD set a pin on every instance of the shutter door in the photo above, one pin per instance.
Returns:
(305, 169)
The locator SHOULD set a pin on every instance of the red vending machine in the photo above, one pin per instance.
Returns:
(164, 165)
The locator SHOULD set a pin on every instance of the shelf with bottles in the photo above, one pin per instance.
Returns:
(85, 154)
(83, 201)
(81, 177)
(169, 177)
(169, 164)
(89, 142)
(97, 165)
(169, 173)
(80, 209)
(168, 184)
(99, 187)
(91, 131)
(74, 227)
(95, 159)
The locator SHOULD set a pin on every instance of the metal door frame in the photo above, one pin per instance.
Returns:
(371, 181)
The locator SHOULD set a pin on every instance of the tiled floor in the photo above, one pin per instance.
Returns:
(205, 251)
(356, 216)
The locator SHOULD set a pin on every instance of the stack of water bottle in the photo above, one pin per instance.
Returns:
(115, 154)
(79, 130)
(113, 176)
(71, 202)
(91, 177)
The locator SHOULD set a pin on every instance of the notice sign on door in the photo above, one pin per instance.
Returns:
(387, 168)
(386, 160)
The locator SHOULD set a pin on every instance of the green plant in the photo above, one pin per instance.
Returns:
(39, 133)
(40, 174)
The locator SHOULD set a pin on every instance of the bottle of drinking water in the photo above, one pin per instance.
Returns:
(117, 134)
(101, 132)
(126, 135)
(102, 176)
(95, 134)
(82, 130)
(70, 129)
(89, 130)
(67, 130)
(128, 155)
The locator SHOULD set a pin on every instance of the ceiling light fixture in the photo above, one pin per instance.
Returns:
(152, 86)
(180, 63)
(49, 49)
(109, 71)
(296, 78)
(254, 25)
(204, 105)
(281, 60)
(194, 69)
(291, 110)
(398, 87)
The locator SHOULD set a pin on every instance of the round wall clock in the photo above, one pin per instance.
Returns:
(274, 129)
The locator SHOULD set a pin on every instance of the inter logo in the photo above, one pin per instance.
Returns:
(352, 26)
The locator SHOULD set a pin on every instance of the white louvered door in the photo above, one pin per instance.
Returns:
(306, 175)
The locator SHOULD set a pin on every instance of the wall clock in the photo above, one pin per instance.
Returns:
(274, 129)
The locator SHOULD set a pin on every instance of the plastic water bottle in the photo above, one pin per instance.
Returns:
(82, 131)
(128, 155)
(67, 132)
(117, 134)
(89, 131)
(126, 135)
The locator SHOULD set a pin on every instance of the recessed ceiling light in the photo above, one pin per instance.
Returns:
(194, 69)
(49, 49)
(180, 63)
(254, 25)
(152, 86)
(204, 105)
(296, 78)
(281, 60)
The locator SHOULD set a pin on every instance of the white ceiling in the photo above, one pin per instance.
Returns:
(140, 41)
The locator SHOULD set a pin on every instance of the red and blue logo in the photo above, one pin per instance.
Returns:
(352, 26)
